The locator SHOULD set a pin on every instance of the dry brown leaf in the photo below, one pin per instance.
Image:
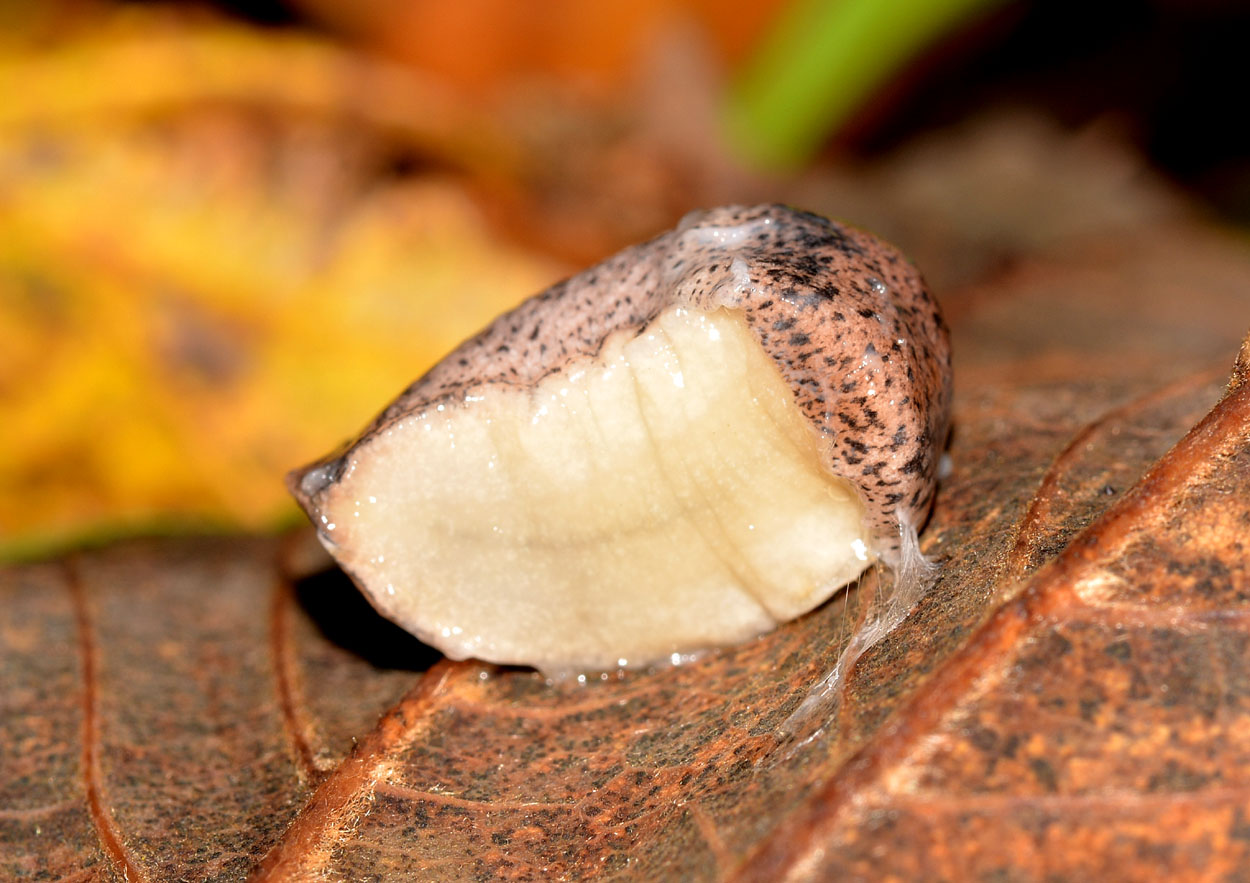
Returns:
(1070, 700)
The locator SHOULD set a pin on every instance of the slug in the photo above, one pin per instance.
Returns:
(702, 436)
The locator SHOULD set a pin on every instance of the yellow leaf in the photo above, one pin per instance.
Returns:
(196, 296)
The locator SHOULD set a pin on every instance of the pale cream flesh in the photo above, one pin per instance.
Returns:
(663, 496)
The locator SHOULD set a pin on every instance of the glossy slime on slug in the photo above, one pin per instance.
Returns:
(859, 347)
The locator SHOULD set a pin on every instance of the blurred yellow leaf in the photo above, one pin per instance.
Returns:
(209, 274)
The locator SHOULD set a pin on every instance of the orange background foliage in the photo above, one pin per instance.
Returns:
(481, 44)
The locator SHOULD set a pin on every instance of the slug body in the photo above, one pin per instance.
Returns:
(703, 435)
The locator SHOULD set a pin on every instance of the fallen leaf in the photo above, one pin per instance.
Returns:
(1068, 701)
(208, 265)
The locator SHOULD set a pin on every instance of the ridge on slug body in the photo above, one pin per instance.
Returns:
(678, 448)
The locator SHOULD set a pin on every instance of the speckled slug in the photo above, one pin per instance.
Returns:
(698, 438)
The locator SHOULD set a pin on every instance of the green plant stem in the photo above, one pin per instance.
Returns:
(821, 61)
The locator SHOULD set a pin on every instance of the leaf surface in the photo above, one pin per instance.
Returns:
(1069, 700)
